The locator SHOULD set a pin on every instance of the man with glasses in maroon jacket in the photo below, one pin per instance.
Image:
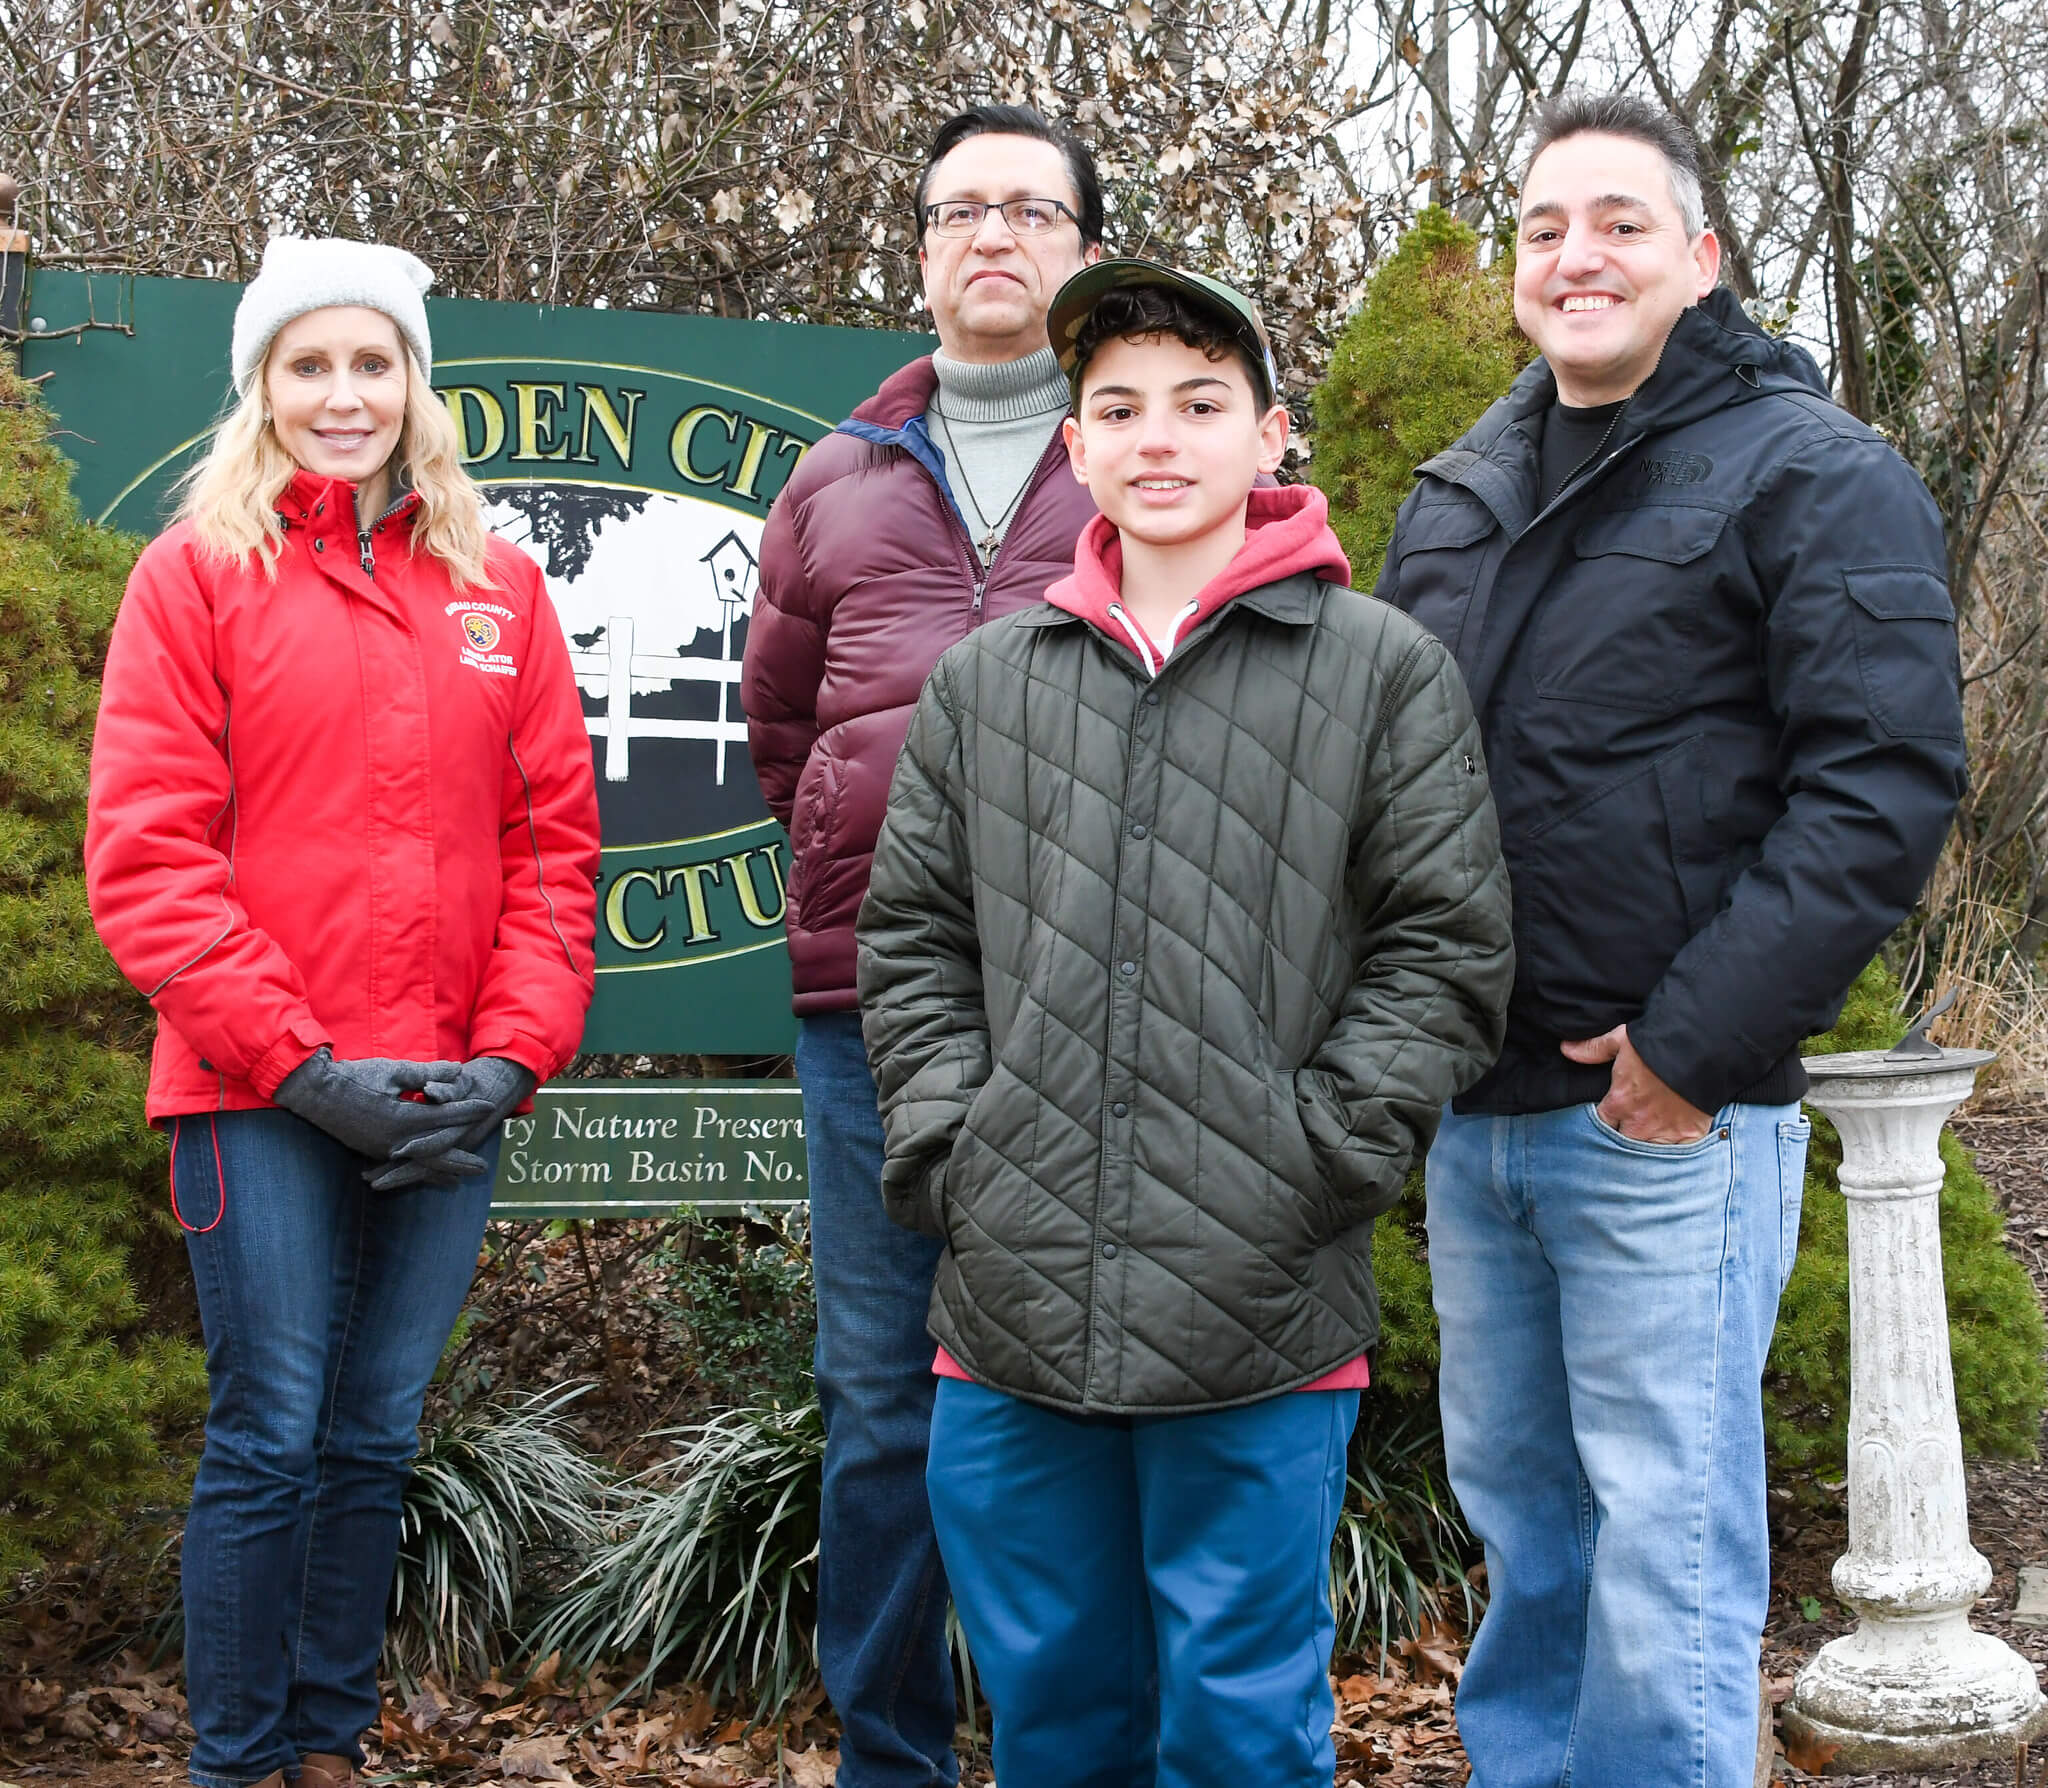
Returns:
(944, 501)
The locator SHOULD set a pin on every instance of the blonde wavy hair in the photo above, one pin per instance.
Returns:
(231, 496)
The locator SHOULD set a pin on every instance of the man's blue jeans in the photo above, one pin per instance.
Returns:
(881, 1587)
(326, 1307)
(1147, 1600)
(1606, 1306)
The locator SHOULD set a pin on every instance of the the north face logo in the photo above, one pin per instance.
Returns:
(1677, 468)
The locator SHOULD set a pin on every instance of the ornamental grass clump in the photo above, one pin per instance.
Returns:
(89, 1398)
(1398, 1565)
(709, 1569)
(502, 1506)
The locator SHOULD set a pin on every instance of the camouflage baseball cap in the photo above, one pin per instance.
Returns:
(1237, 313)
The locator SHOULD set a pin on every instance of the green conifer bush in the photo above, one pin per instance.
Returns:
(1432, 345)
(85, 1395)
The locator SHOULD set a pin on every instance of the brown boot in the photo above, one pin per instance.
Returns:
(274, 1780)
(324, 1770)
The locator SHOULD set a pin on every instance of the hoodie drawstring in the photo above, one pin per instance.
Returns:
(1144, 643)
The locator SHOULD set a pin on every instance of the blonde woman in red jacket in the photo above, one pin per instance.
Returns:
(343, 835)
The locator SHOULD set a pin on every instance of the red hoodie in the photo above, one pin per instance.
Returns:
(1287, 532)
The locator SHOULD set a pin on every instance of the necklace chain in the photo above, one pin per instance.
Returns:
(987, 544)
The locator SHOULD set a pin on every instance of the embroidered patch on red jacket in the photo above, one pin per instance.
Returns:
(481, 634)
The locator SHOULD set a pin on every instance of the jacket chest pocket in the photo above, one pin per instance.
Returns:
(1622, 624)
(1440, 550)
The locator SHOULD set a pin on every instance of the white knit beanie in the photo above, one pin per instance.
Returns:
(302, 273)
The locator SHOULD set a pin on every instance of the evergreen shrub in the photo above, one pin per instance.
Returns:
(1433, 343)
(85, 1394)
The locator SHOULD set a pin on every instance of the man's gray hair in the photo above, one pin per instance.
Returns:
(1576, 113)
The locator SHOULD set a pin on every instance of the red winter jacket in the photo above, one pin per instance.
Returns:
(341, 808)
(867, 575)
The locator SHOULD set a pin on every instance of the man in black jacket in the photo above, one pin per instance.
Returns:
(1704, 617)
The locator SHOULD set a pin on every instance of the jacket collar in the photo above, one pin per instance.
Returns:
(1714, 358)
(327, 506)
(321, 514)
(894, 417)
(904, 394)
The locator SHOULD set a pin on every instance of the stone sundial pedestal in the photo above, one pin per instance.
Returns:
(1914, 1684)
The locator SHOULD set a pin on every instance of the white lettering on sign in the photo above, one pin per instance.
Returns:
(579, 1125)
(612, 1148)
(711, 1122)
(647, 1171)
(521, 1169)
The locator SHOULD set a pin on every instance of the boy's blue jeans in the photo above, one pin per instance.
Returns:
(326, 1307)
(881, 1587)
(1147, 1599)
(1606, 1306)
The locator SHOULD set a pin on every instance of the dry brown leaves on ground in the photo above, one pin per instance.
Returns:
(1393, 1730)
(1396, 1727)
(541, 1731)
(129, 1712)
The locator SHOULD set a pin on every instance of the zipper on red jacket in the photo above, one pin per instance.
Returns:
(363, 550)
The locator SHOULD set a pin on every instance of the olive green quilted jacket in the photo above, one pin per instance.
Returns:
(1165, 983)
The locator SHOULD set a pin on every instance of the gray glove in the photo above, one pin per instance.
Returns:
(358, 1103)
(486, 1083)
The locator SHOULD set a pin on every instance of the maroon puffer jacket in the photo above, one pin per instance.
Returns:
(867, 575)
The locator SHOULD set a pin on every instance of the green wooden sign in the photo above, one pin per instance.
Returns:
(633, 1148)
(634, 455)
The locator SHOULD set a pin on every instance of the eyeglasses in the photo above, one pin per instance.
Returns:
(1026, 217)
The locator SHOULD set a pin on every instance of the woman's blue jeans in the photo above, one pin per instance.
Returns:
(326, 1307)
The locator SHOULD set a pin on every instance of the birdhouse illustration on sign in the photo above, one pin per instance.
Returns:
(733, 571)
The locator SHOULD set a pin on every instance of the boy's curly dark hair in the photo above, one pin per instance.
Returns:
(1134, 312)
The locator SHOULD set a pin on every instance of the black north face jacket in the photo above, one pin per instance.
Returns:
(1717, 680)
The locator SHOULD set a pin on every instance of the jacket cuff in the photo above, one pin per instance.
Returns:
(1691, 1081)
(920, 1206)
(301, 1038)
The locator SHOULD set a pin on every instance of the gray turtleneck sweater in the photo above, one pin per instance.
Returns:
(993, 423)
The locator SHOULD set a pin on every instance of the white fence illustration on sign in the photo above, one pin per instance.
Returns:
(635, 603)
(614, 673)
